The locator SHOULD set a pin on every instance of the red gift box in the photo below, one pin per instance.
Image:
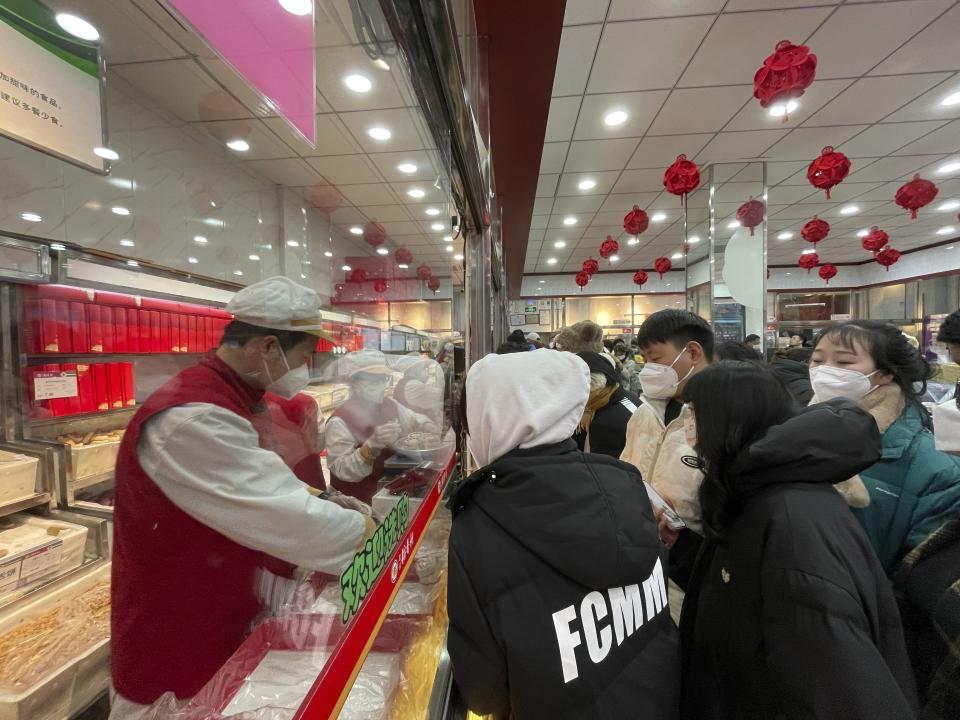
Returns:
(129, 388)
(166, 334)
(194, 340)
(40, 328)
(133, 330)
(95, 327)
(101, 387)
(115, 385)
(79, 332)
(156, 333)
(85, 384)
(63, 326)
(107, 327)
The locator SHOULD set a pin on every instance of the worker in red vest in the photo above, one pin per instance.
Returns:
(209, 524)
(362, 433)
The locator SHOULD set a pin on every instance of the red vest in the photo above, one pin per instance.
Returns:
(362, 424)
(182, 593)
(290, 428)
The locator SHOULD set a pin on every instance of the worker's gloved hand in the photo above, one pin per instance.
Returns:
(350, 503)
(384, 436)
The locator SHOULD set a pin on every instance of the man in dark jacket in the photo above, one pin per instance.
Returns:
(557, 587)
(603, 428)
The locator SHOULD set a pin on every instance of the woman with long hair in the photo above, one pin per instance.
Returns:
(788, 613)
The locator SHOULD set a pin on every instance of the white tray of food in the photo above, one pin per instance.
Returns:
(34, 549)
(92, 455)
(18, 477)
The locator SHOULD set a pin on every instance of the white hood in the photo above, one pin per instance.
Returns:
(522, 400)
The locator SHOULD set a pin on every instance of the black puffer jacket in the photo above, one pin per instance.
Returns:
(557, 596)
(608, 430)
(791, 614)
(796, 376)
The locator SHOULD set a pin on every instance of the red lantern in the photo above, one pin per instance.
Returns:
(609, 248)
(662, 265)
(682, 177)
(403, 256)
(887, 257)
(915, 194)
(374, 233)
(424, 272)
(875, 240)
(808, 261)
(583, 277)
(358, 276)
(636, 221)
(590, 266)
(434, 284)
(380, 286)
(750, 214)
(640, 278)
(829, 270)
(828, 169)
(784, 75)
(815, 230)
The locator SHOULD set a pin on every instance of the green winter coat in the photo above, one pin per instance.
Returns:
(914, 488)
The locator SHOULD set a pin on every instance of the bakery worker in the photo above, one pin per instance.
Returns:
(421, 388)
(209, 525)
(363, 432)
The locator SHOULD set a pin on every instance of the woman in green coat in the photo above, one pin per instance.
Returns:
(914, 488)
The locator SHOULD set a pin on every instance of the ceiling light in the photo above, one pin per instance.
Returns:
(133, 263)
(587, 184)
(677, 256)
(432, 211)
(785, 235)
(950, 167)
(382, 251)
(949, 229)
(733, 224)
(658, 217)
(437, 226)
(212, 204)
(788, 273)
(127, 243)
(951, 99)
(458, 257)
(449, 248)
(633, 241)
(192, 260)
(255, 258)
(849, 209)
(199, 239)
(238, 273)
(303, 276)
(402, 266)
(118, 210)
(358, 83)
(415, 193)
(346, 268)
(693, 239)
(407, 168)
(949, 247)
(811, 251)
(106, 153)
(863, 233)
(379, 133)
(240, 145)
(297, 7)
(327, 253)
(356, 230)
(121, 183)
(614, 258)
(781, 109)
(560, 244)
(448, 238)
(949, 205)
(551, 261)
(214, 222)
(61, 246)
(293, 243)
(382, 64)
(570, 220)
(617, 117)
(30, 217)
(78, 27)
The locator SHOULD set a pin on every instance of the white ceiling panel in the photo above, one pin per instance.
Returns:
(547, 185)
(569, 183)
(889, 168)
(623, 203)
(562, 118)
(640, 181)
(582, 12)
(754, 117)
(333, 138)
(641, 108)
(387, 164)
(683, 110)
(369, 194)
(807, 143)
(941, 141)
(929, 106)
(633, 10)
(578, 205)
(336, 63)
(543, 206)
(293, 172)
(589, 155)
(739, 145)
(577, 48)
(662, 151)
(885, 138)
(554, 154)
(933, 49)
(346, 169)
(404, 131)
(871, 99)
(386, 213)
(264, 144)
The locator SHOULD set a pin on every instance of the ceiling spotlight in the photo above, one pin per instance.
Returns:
(811, 251)
(78, 27)
(303, 276)
(849, 209)
(432, 211)
(297, 7)
(118, 210)
(863, 233)
(415, 193)
(458, 256)
(587, 184)
(785, 235)
(949, 205)
(30, 217)
(192, 260)
(950, 167)
(614, 258)
(570, 220)
(327, 253)
(293, 243)
(617, 117)
(346, 268)
(541, 281)
(448, 248)
(658, 217)
(407, 168)
(951, 99)
(560, 244)
(254, 257)
(382, 64)
(733, 224)
(379, 133)
(551, 261)
(239, 145)
(358, 83)
(106, 153)
(61, 246)
(356, 230)
(633, 241)
(382, 251)
(677, 256)
(693, 239)
(127, 243)
(782, 109)
(949, 247)
(402, 266)
(238, 273)
(948, 230)
(437, 226)
(448, 238)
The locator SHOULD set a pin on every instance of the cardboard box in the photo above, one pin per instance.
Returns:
(101, 387)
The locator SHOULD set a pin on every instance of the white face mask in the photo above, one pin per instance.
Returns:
(370, 392)
(831, 382)
(660, 382)
(291, 382)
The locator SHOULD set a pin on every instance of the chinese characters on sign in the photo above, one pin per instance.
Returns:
(32, 92)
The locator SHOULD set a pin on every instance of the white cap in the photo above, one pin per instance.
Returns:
(532, 336)
(278, 303)
(364, 361)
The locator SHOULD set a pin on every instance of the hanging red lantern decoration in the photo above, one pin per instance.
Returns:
(682, 177)
(380, 286)
(915, 194)
(784, 75)
(358, 276)
(374, 233)
(828, 169)
(662, 265)
(815, 230)
(828, 271)
(434, 284)
(424, 272)
(582, 278)
(403, 256)
(640, 278)
(590, 266)
(875, 240)
(609, 248)
(808, 261)
(750, 214)
(636, 221)
(887, 257)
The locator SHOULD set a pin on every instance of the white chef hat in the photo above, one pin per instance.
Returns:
(532, 337)
(372, 362)
(278, 303)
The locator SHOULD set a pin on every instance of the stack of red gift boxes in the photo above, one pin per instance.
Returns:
(64, 320)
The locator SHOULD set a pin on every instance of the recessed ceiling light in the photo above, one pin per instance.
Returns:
(458, 256)
(356, 230)
(808, 252)
(407, 168)
(358, 83)
(57, 246)
(448, 248)
(560, 244)
(733, 224)
(78, 27)
(448, 238)
(106, 153)
(402, 266)
(379, 133)
(327, 253)
(863, 233)
(541, 281)
(303, 276)
(950, 167)
(382, 251)
(587, 184)
(551, 261)
(693, 239)
(432, 211)
(293, 243)
(30, 217)
(951, 99)
(240, 145)
(617, 117)
(782, 109)
(238, 273)
(382, 64)
(788, 273)
(677, 256)
(633, 241)
(949, 205)
(614, 258)
(199, 239)
(570, 220)
(785, 235)
(297, 7)
(949, 247)
(192, 260)
(946, 230)
(133, 263)
(254, 257)
(658, 217)
(119, 210)
(437, 226)
(127, 243)
(346, 268)
(415, 193)
(849, 209)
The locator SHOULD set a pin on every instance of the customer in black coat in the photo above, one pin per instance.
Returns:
(788, 613)
(603, 428)
(557, 588)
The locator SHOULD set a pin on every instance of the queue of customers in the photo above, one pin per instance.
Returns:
(737, 540)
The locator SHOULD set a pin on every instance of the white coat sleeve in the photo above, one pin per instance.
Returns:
(343, 453)
(424, 397)
(208, 462)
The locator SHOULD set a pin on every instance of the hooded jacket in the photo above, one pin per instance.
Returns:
(557, 589)
(796, 376)
(790, 615)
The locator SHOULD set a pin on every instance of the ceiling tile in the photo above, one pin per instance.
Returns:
(577, 47)
(885, 138)
(641, 108)
(739, 145)
(432, 194)
(569, 183)
(808, 143)
(683, 112)
(888, 169)
(633, 10)
(557, 220)
(944, 140)
(737, 44)
(295, 172)
(547, 185)
(554, 155)
(127, 34)
(788, 194)
(589, 155)
(369, 194)
(346, 169)
(562, 118)
(336, 63)
(645, 55)
(543, 206)
(777, 172)
(662, 151)
(264, 144)
(581, 12)
(739, 5)
(578, 205)
(871, 99)
(846, 191)
(639, 181)
(754, 117)
(623, 203)
(934, 48)
(929, 106)
(387, 164)
(403, 128)
(385, 212)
